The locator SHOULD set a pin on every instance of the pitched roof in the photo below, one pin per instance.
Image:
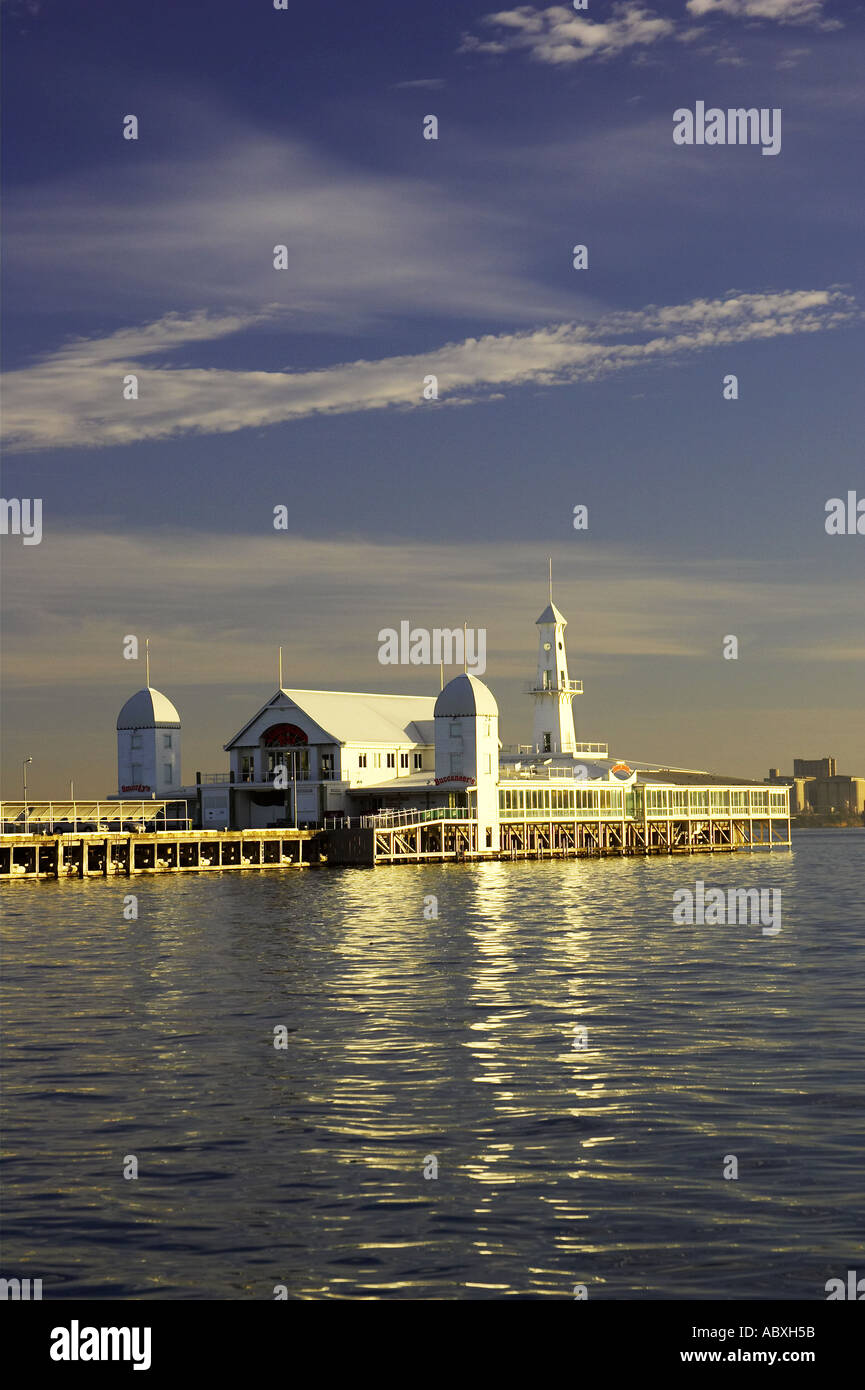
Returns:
(551, 614)
(352, 717)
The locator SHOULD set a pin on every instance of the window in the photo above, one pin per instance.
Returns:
(418, 761)
(247, 768)
(166, 772)
(361, 759)
(327, 767)
(391, 759)
(548, 743)
(135, 741)
(166, 740)
(403, 761)
(456, 731)
(376, 759)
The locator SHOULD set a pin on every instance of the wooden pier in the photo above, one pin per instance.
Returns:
(405, 838)
(127, 855)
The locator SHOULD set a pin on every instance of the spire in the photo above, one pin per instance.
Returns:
(551, 579)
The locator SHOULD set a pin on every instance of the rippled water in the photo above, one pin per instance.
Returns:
(452, 1037)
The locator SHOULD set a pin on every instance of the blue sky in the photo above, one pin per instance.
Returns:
(406, 257)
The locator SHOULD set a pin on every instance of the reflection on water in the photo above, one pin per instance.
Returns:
(453, 1037)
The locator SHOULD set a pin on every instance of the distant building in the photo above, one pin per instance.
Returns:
(816, 787)
(815, 767)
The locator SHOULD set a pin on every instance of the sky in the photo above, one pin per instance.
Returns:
(405, 258)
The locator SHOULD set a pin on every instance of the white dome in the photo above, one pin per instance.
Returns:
(148, 709)
(465, 696)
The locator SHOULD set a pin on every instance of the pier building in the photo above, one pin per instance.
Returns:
(372, 778)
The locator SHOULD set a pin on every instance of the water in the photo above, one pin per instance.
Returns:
(454, 1037)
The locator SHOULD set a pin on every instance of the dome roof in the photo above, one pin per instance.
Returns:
(148, 709)
(465, 695)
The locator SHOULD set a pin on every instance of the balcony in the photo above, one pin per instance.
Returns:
(563, 688)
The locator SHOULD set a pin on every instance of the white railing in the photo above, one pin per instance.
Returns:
(65, 817)
(562, 688)
(390, 820)
(540, 772)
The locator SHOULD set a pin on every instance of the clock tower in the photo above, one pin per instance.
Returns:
(553, 690)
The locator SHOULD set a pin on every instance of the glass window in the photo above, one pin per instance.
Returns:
(361, 759)
(391, 759)
(403, 760)
(376, 759)
(166, 740)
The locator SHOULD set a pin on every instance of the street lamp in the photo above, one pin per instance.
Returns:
(24, 763)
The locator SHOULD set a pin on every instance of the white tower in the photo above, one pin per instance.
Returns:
(553, 690)
(148, 746)
(467, 750)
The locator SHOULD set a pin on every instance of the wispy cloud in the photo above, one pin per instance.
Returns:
(558, 35)
(197, 225)
(63, 616)
(807, 12)
(73, 397)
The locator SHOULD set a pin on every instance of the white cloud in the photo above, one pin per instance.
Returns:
(559, 36)
(73, 397)
(781, 11)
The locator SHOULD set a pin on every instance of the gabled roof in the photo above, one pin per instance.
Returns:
(551, 614)
(351, 717)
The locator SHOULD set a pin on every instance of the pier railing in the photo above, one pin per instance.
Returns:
(528, 750)
(388, 820)
(70, 817)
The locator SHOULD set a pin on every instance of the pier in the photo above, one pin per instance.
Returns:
(553, 818)
(554, 822)
(130, 855)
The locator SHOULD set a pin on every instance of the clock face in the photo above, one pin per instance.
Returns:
(547, 646)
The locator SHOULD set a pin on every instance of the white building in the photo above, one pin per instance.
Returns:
(313, 757)
(553, 690)
(467, 751)
(148, 746)
(328, 742)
